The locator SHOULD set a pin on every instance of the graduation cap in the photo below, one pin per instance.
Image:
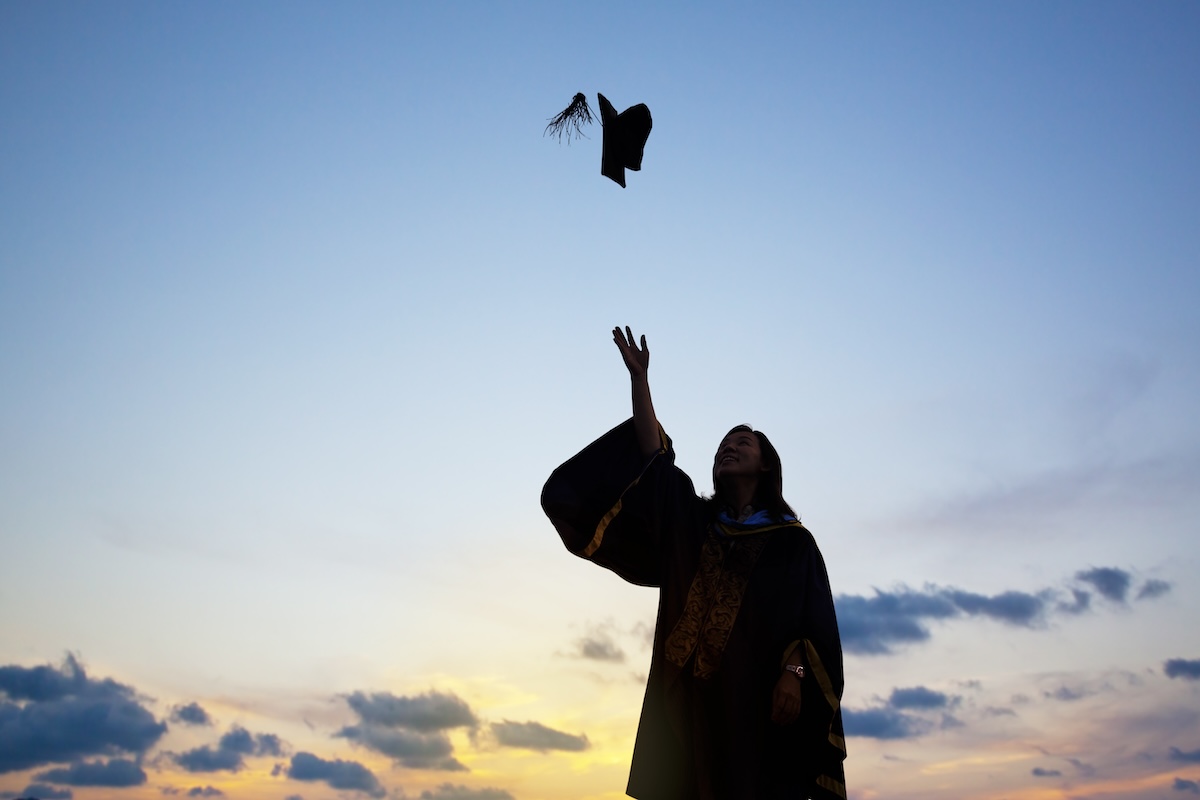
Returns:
(625, 134)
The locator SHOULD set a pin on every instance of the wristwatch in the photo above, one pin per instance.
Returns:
(796, 668)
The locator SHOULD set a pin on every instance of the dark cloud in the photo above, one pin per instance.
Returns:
(1040, 772)
(1081, 602)
(55, 715)
(1153, 588)
(338, 774)
(1185, 756)
(949, 722)
(872, 625)
(449, 792)
(239, 740)
(432, 711)
(1188, 669)
(210, 759)
(204, 791)
(600, 648)
(1067, 694)
(918, 697)
(45, 683)
(410, 730)
(1015, 608)
(536, 736)
(231, 749)
(1110, 582)
(907, 713)
(293, 797)
(1184, 785)
(191, 714)
(876, 624)
(410, 748)
(883, 723)
(115, 772)
(39, 791)
(1083, 767)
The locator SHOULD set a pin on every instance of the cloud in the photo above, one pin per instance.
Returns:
(1184, 785)
(893, 719)
(410, 748)
(1188, 669)
(1083, 767)
(449, 792)
(116, 772)
(1081, 602)
(54, 715)
(40, 791)
(874, 624)
(204, 791)
(1068, 694)
(1110, 582)
(949, 722)
(240, 740)
(996, 711)
(600, 648)
(191, 714)
(877, 624)
(338, 774)
(1153, 588)
(918, 697)
(410, 730)
(45, 683)
(432, 711)
(207, 759)
(228, 755)
(1015, 608)
(883, 723)
(1039, 772)
(536, 736)
(1184, 756)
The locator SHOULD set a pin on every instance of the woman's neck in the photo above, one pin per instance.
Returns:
(740, 496)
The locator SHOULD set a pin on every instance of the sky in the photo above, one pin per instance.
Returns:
(299, 308)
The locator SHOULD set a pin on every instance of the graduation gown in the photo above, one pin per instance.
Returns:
(733, 603)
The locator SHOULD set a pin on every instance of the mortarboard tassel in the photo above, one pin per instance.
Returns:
(571, 118)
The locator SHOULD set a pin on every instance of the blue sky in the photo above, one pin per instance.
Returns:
(299, 308)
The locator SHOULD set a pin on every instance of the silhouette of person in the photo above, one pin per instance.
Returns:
(743, 697)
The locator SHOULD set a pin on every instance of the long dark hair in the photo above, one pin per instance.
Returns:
(768, 494)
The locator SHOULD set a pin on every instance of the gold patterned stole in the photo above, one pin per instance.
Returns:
(713, 600)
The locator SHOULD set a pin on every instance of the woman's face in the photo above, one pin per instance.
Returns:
(738, 456)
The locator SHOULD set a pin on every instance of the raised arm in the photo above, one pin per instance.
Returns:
(637, 360)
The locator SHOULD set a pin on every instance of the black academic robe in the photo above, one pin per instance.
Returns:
(730, 610)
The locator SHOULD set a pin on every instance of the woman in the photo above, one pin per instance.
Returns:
(742, 701)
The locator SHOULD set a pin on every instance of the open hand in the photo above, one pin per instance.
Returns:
(637, 360)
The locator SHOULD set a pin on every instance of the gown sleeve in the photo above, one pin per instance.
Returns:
(821, 713)
(615, 507)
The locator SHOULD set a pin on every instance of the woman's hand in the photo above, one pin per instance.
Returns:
(636, 360)
(785, 701)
